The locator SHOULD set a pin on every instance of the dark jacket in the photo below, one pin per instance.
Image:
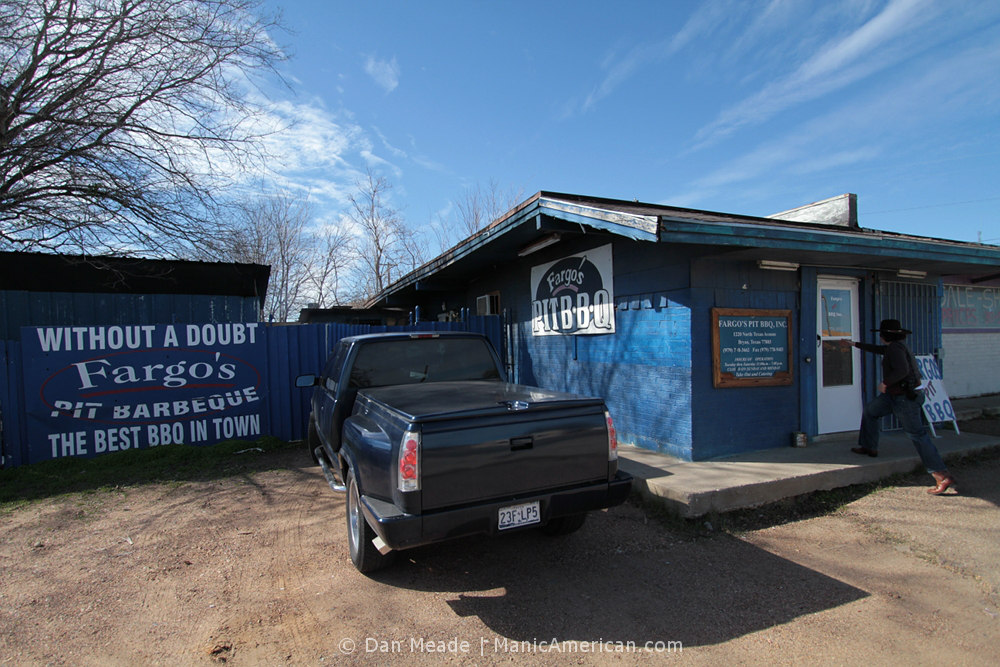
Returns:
(900, 371)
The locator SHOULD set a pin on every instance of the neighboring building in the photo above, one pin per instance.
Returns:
(970, 321)
(63, 290)
(707, 333)
(352, 315)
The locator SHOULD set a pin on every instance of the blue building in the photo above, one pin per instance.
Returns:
(707, 333)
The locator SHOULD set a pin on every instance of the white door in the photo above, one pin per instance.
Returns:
(839, 365)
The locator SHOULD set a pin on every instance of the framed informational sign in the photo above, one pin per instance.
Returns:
(574, 295)
(937, 406)
(751, 348)
(96, 389)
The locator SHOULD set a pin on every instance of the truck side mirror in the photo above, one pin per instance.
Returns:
(305, 381)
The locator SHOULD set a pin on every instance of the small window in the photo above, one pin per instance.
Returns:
(396, 362)
(334, 366)
(488, 304)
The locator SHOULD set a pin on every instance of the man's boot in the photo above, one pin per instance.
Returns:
(944, 480)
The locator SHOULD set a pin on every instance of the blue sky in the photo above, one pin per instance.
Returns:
(747, 107)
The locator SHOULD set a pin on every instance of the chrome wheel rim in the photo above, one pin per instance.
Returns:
(353, 518)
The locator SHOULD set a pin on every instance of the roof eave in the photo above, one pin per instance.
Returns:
(859, 242)
(665, 224)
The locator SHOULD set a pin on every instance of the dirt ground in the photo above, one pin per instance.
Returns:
(254, 570)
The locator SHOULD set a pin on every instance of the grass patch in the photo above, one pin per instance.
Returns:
(168, 463)
(799, 508)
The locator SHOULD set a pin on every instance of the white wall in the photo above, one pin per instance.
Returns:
(971, 364)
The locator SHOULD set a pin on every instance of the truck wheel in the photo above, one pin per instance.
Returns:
(312, 439)
(564, 525)
(364, 555)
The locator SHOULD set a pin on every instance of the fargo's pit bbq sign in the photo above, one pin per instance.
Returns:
(574, 295)
(91, 390)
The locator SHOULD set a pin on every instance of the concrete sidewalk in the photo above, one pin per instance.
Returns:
(694, 488)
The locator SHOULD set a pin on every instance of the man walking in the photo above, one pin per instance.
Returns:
(899, 393)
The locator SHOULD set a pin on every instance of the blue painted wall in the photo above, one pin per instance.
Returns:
(655, 371)
(736, 419)
(643, 371)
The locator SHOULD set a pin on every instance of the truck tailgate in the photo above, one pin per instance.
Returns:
(487, 440)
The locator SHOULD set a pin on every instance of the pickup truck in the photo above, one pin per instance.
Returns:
(431, 443)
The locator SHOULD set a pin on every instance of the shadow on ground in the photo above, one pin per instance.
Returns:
(619, 579)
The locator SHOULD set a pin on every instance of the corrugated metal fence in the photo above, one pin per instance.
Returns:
(299, 349)
(291, 350)
(11, 398)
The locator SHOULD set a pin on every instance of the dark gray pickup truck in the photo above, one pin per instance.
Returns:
(433, 443)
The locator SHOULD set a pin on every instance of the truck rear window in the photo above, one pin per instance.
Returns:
(386, 363)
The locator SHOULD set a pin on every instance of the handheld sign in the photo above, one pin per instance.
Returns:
(937, 406)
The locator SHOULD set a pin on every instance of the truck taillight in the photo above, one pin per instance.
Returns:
(409, 462)
(612, 438)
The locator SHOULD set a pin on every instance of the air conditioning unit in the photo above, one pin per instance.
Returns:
(488, 304)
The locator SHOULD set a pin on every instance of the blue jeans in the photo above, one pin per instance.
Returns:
(908, 413)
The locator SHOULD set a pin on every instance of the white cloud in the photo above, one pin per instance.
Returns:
(881, 42)
(618, 70)
(378, 163)
(308, 152)
(313, 137)
(398, 152)
(385, 73)
(861, 129)
(430, 165)
(836, 159)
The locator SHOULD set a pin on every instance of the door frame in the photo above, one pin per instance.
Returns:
(849, 398)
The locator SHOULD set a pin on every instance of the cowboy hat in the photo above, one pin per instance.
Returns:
(892, 326)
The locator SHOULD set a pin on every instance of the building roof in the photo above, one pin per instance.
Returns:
(548, 217)
(38, 272)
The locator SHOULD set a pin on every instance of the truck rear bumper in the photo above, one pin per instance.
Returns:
(402, 531)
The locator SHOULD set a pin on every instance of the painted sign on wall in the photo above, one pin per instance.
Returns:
(964, 307)
(91, 390)
(574, 295)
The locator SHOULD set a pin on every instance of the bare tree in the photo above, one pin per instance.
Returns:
(474, 210)
(479, 207)
(121, 119)
(386, 248)
(334, 252)
(273, 231)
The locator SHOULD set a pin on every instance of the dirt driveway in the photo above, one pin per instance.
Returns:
(254, 570)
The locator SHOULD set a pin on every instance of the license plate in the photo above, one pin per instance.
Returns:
(524, 514)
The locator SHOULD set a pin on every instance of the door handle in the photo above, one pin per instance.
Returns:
(519, 444)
